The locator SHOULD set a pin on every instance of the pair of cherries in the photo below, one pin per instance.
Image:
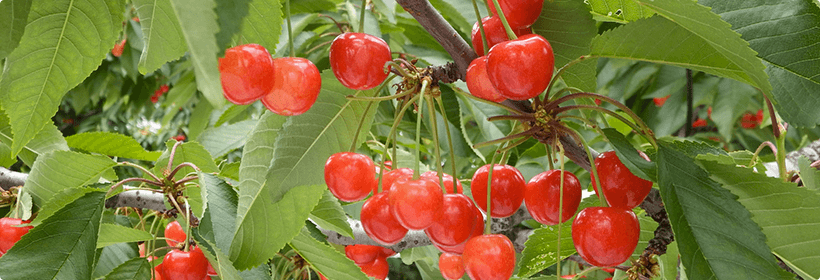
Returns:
(371, 259)
(489, 256)
(178, 264)
(287, 85)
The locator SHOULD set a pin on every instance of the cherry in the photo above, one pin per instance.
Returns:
(118, 48)
(451, 266)
(386, 252)
(416, 204)
(378, 221)
(378, 268)
(543, 191)
(357, 60)
(174, 234)
(392, 176)
(749, 121)
(479, 83)
(157, 273)
(495, 33)
(478, 229)
(521, 69)
(699, 123)
(519, 13)
(362, 254)
(9, 234)
(191, 265)
(447, 178)
(246, 73)
(659, 101)
(507, 189)
(621, 187)
(296, 85)
(490, 256)
(349, 176)
(456, 221)
(605, 236)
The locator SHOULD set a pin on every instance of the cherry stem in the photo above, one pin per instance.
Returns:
(383, 98)
(18, 204)
(171, 156)
(594, 172)
(361, 16)
(186, 180)
(179, 167)
(504, 139)
(634, 126)
(511, 118)
(560, 206)
(143, 170)
(450, 144)
(644, 128)
(359, 128)
(486, 46)
(561, 72)
(510, 33)
(393, 128)
(499, 105)
(509, 147)
(338, 25)
(759, 149)
(290, 33)
(128, 180)
(186, 247)
(420, 116)
(549, 157)
(434, 121)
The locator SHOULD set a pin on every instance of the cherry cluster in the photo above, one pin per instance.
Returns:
(178, 263)
(163, 89)
(371, 259)
(119, 47)
(287, 85)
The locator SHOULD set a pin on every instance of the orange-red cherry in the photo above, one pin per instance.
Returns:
(350, 176)
(174, 234)
(521, 69)
(605, 236)
(542, 196)
(519, 13)
(362, 254)
(246, 73)
(495, 33)
(416, 204)
(378, 221)
(9, 234)
(191, 265)
(451, 266)
(455, 223)
(378, 268)
(447, 178)
(489, 257)
(296, 85)
(507, 189)
(621, 187)
(478, 83)
(393, 176)
(357, 60)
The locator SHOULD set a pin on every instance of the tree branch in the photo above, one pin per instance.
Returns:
(10, 178)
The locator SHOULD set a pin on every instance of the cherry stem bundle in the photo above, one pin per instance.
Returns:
(433, 120)
(420, 116)
(397, 120)
(450, 145)
(641, 126)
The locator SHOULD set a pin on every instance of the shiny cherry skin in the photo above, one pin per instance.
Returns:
(378, 268)
(296, 85)
(605, 236)
(507, 189)
(392, 176)
(542, 193)
(621, 187)
(451, 266)
(350, 176)
(191, 265)
(521, 69)
(489, 256)
(357, 60)
(174, 234)
(416, 204)
(495, 33)
(9, 234)
(519, 13)
(387, 252)
(246, 73)
(447, 178)
(478, 229)
(478, 83)
(455, 223)
(362, 254)
(378, 221)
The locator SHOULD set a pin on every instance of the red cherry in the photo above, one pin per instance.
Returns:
(455, 223)
(494, 30)
(179, 138)
(621, 187)
(9, 234)
(448, 181)
(362, 254)
(451, 266)
(519, 13)
(507, 189)
(392, 176)
(157, 273)
(521, 69)
(659, 101)
(246, 73)
(378, 268)
(191, 265)
(118, 48)
(174, 234)
(416, 204)
(321, 276)
(542, 193)
(699, 123)
(605, 236)
(750, 121)
(296, 85)
(349, 176)
(478, 229)
(489, 256)
(378, 221)
(386, 252)
(357, 60)
(479, 83)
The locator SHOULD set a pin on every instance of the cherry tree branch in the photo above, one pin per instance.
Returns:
(10, 178)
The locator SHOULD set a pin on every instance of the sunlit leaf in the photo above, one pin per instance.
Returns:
(328, 261)
(112, 234)
(569, 27)
(328, 214)
(13, 15)
(197, 21)
(220, 140)
(111, 144)
(163, 39)
(621, 11)
(61, 170)
(134, 269)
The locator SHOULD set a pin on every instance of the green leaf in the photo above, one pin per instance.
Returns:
(13, 15)
(62, 44)
(60, 248)
(715, 233)
(221, 200)
(249, 21)
(792, 67)
(112, 234)
(661, 40)
(200, 119)
(162, 35)
(569, 28)
(540, 249)
(328, 214)
(232, 112)
(197, 21)
(629, 156)
(789, 215)
(621, 11)
(113, 256)
(191, 152)
(60, 170)
(223, 266)
(331, 263)
(58, 201)
(230, 171)
(111, 144)
(730, 104)
(808, 175)
(221, 140)
(261, 235)
(475, 127)
(136, 268)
